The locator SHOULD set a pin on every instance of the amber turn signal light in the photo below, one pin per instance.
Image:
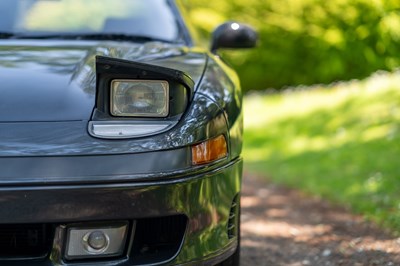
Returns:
(209, 151)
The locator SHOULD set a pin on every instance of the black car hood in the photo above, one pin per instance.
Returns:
(44, 81)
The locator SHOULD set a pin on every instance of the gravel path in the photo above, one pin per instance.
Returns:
(284, 227)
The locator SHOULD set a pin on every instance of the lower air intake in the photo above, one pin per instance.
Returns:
(157, 240)
(25, 241)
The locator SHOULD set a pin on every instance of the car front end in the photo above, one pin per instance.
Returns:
(116, 149)
(177, 216)
(176, 192)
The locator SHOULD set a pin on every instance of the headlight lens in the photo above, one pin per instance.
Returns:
(143, 98)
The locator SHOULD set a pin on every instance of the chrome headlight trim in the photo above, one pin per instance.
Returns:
(127, 129)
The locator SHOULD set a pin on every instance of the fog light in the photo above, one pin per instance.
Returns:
(95, 241)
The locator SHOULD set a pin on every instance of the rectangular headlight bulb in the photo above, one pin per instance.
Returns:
(98, 241)
(140, 98)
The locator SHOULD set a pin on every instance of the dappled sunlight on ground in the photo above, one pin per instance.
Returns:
(283, 227)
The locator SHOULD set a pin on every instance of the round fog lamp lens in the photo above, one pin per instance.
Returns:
(97, 240)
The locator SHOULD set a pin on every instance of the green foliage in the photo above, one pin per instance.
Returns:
(308, 41)
(340, 142)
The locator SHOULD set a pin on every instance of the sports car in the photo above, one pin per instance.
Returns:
(120, 136)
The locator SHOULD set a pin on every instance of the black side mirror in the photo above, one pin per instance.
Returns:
(233, 35)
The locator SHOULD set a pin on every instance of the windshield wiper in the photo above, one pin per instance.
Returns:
(91, 36)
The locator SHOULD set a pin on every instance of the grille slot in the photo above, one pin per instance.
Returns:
(21, 241)
(233, 217)
(157, 239)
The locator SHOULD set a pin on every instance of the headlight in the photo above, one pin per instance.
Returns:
(136, 100)
(140, 98)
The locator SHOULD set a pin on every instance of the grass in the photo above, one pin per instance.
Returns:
(340, 142)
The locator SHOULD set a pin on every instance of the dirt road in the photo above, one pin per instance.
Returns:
(284, 227)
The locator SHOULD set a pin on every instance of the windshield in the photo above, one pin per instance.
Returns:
(149, 18)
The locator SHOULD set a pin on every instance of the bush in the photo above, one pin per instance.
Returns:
(307, 41)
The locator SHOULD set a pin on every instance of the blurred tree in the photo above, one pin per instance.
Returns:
(307, 41)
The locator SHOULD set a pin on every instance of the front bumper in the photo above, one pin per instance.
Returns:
(205, 198)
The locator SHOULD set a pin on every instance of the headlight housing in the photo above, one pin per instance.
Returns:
(136, 100)
(139, 98)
